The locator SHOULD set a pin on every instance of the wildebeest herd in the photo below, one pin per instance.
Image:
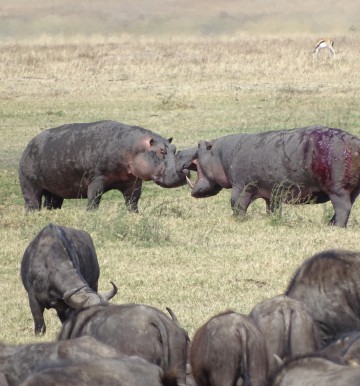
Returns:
(309, 335)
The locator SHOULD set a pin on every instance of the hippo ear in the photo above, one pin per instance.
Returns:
(205, 145)
(170, 139)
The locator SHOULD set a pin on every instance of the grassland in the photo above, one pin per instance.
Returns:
(191, 255)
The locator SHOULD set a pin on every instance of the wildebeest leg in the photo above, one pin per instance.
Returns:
(342, 206)
(95, 192)
(132, 193)
(62, 314)
(52, 201)
(37, 312)
(240, 200)
(223, 377)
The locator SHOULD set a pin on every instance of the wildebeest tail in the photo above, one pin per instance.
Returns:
(169, 378)
(244, 366)
(164, 340)
(287, 312)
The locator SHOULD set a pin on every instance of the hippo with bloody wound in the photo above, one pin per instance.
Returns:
(85, 160)
(307, 165)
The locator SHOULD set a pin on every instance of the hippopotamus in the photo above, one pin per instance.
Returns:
(85, 160)
(312, 164)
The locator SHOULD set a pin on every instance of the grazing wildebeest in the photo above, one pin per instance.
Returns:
(85, 160)
(134, 329)
(328, 284)
(125, 371)
(60, 270)
(315, 370)
(229, 350)
(19, 361)
(288, 328)
(345, 348)
(307, 165)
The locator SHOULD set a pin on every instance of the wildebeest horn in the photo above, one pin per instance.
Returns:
(173, 316)
(68, 294)
(110, 294)
(189, 182)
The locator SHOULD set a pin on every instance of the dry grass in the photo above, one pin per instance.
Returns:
(191, 255)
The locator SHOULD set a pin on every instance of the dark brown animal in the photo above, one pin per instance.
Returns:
(229, 350)
(345, 348)
(125, 371)
(315, 371)
(60, 270)
(19, 361)
(328, 284)
(288, 328)
(85, 160)
(134, 329)
(307, 165)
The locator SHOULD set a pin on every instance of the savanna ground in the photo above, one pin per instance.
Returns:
(179, 252)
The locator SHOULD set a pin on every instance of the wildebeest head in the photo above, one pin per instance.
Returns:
(85, 297)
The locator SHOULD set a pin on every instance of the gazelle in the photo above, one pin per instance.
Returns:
(324, 43)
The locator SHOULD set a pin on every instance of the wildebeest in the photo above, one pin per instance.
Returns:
(85, 160)
(288, 328)
(19, 361)
(328, 284)
(229, 350)
(315, 370)
(125, 371)
(60, 270)
(308, 165)
(134, 329)
(345, 348)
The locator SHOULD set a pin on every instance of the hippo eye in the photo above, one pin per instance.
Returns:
(163, 152)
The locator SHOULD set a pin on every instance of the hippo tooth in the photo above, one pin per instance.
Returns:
(189, 182)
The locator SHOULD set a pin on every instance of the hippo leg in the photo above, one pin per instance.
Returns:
(52, 201)
(37, 312)
(240, 200)
(273, 206)
(32, 199)
(95, 192)
(132, 193)
(342, 206)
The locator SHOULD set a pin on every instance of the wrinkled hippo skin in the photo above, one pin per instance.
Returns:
(85, 160)
(306, 165)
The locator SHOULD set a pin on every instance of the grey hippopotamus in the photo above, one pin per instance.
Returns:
(306, 165)
(85, 160)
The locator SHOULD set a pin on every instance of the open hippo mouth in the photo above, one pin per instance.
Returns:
(203, 186)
